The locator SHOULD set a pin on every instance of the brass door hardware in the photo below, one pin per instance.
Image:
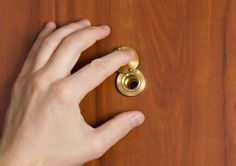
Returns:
(130, 81)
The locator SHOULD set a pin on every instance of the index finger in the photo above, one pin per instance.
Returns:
(96, 72)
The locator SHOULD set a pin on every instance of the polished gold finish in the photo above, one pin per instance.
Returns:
(131, 83)
(132, 65)
(130, 80)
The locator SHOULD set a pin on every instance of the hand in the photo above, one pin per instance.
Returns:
(44, 125)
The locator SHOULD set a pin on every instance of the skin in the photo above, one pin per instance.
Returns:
(44, 125)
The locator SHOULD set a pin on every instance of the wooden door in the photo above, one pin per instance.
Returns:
(188, 57)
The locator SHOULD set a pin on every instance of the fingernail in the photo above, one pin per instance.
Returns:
(137, 119)
(105, 27)
(50, 24)
(85, 22)
(130, 53)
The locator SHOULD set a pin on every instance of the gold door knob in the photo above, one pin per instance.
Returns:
(130, 81)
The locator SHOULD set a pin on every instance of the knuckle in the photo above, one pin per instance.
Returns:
(62, 92)
(49, 40)
(79, 39)
(68, 42)
(97, 63)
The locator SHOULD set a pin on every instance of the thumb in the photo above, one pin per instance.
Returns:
(115, 129)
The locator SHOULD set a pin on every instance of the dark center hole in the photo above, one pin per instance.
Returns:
(133, 84)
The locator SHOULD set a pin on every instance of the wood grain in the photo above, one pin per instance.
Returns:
(188, 56)
(21, 21)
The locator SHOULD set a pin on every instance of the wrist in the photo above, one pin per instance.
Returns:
(8, 159)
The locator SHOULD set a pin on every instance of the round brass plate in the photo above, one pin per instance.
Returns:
(133, 64)
(131, 83)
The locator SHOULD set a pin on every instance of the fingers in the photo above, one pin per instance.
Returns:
(90, 76)
(47, 30)
(112, 131)
(51, 43)
(70, 49)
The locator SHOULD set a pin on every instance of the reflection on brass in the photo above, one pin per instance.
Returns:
(130, 80)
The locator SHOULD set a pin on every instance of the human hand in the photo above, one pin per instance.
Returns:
(44, 125)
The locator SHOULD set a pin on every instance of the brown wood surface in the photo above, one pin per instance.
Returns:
(188, 56)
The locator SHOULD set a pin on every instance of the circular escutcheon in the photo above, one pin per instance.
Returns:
(131, 83)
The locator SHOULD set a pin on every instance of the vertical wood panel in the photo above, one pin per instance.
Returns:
(187, 51)
(230, 84)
